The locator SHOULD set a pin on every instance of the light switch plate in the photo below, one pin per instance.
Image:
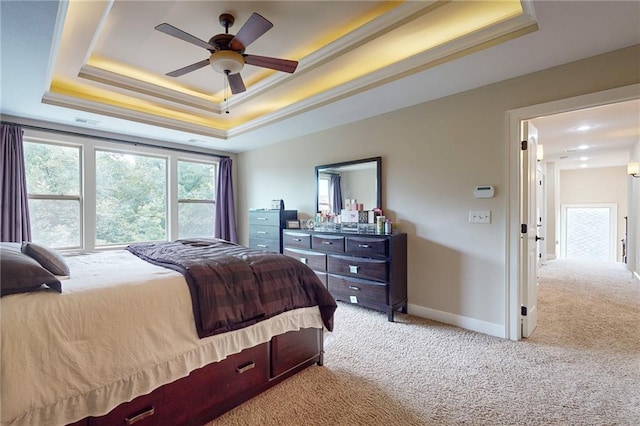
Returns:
(480, 216)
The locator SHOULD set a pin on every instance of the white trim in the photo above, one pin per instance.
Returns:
(512, 183)
(492, 329)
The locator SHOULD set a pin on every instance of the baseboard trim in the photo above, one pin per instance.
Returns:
(492, 329)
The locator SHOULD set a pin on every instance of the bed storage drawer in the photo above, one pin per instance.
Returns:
(361, 267)
(291, 349)
(355, 290)
(316, 261)
(231, 378)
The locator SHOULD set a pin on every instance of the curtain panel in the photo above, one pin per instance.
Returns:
(225, 222)
(14, 202)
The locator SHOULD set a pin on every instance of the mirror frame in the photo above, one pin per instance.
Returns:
(378, 189)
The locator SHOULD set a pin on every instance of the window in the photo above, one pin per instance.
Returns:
(91, 193)
(131, 198)
(324, 183)
(196, 204)
(54, 191)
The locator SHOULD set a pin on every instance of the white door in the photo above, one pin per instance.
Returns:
(528, 246)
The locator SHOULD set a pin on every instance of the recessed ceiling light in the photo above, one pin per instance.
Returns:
(584, 158)
(584, 165)
(584, 128)
(583, 147)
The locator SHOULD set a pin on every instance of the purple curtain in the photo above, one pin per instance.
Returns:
(336, 194)
(225, 226)
(14, 206)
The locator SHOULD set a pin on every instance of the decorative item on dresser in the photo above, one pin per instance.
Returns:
(364, 269)
(265, 228)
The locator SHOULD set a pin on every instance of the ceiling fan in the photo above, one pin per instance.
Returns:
(227, 50)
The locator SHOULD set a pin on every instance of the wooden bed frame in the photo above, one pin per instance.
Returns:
(211, 391)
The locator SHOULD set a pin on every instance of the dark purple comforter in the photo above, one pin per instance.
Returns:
(233, 286)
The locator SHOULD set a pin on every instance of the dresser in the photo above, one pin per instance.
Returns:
(364, 269)
(265, 228)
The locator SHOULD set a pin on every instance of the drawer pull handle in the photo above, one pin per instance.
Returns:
(363, 245)
(147, 413)
(327, 242)
(262, 232)
(353, 269)
(261, 245)
(353, 287)
(245, 367)
(297, 239)
(262, 218)
(304, 260)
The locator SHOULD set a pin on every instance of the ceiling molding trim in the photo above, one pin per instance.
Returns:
(462, 46)
(396, 17)
(52, 98)
(127, 83)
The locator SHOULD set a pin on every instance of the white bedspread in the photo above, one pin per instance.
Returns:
(121, 328)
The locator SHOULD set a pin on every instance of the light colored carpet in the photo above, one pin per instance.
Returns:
(581, 366)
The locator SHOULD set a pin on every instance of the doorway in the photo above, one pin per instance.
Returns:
(517, 282)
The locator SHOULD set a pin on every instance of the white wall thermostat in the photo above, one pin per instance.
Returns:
(483, 191)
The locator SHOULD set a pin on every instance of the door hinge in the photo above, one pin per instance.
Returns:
(523, 228)
(523, 145)
(523, 311)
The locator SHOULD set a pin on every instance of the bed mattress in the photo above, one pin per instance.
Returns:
(121, 328)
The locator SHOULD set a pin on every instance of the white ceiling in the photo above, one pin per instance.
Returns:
(47, 54)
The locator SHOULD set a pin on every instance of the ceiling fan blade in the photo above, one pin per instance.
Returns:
(284, 65)
(235, 83)
(255, 26)
(188, 68)
(175, 32)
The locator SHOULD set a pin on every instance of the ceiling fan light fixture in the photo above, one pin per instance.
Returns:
(226, 62)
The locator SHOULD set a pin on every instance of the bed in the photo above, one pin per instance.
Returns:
(127, 337)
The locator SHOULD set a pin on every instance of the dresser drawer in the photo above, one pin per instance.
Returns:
(264, 217)
(356, 290)
(361, 267)
(296, 239)
(265, 244)
(268, 232)
(328, 243)
(314, 260)
(367, 246)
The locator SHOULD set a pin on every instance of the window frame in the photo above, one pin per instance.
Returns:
(88, 146)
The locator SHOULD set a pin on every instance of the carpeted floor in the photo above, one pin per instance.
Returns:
(581, 366)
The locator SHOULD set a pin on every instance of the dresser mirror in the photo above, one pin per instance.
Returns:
(358, 180)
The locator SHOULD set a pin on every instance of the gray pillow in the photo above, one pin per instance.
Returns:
(20, 273)
(47, 257)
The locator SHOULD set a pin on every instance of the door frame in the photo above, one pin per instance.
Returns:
(513, 286)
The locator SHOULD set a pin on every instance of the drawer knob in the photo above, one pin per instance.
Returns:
(353, 269)
(262, 232)
(248, 366)
(363, 245)
(262, 218)
(327, 242)
(261, 245)
(304, 260)
(353, 287)
(147, 413)
(297, 239)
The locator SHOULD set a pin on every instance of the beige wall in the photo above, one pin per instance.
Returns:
(598, 186)
(433, 155)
